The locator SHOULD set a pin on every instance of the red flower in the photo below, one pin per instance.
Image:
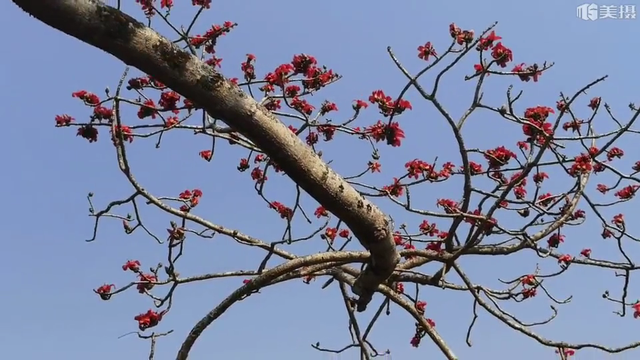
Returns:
(475, 168)
(415, 341)
(627, 192)
(565, 259)
(206, 154)
(104, 291)
(428, 229)
(133, 265)
(538, 113)
(487, 224)
(435, 246)
(320, 212)
(582, 165)
(391, 133)
(555, 240)
(169, 101)
(501, 55)
(498, 157)
(479, 68)
(146, 282)
(636, 309)
(148, 320)
(539, 126)
(618, 220)
(485, 43)
(302, 106)
(327, 107)
(454, 30)
(273, 104)
(244, 165)
(416, 168)
(285, 212)
(425, 51)
(171, 121)
(63, 120)
(578, 214)
(327, 131)
(529, 280)
(519, 192)
(123, 131)
(538, 178)
(545, 200)
(258, 175)
(359, 104)
(527, 73)
(192, 196)
(561, 105)
(396, 189)
(615, 153)
(88, 132)
(567, 352)
(302, 63)
(449, 206)
(87, 97)
(529, 293)
(573, 125)
(330, 233)
(387, 105)
(147, 109)
(447, 169)
(374, 166)
(397, 238)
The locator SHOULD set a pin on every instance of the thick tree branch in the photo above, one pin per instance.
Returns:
(137, 45)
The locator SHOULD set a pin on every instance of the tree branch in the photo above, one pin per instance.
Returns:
(129, 40)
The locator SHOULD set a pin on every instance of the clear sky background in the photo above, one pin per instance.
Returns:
(48, 307)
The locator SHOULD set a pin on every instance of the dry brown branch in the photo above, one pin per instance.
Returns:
(137, 45)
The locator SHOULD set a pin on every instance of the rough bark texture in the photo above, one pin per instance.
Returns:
(139, 46)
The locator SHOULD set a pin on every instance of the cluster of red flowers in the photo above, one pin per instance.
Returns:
(420, 307)
(284, 211)
(148, 320)
(331, 233)
(146, 282)
(192, 197)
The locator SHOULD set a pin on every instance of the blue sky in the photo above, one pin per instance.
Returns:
(50, 309)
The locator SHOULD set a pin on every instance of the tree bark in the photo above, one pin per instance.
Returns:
(136, 45)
